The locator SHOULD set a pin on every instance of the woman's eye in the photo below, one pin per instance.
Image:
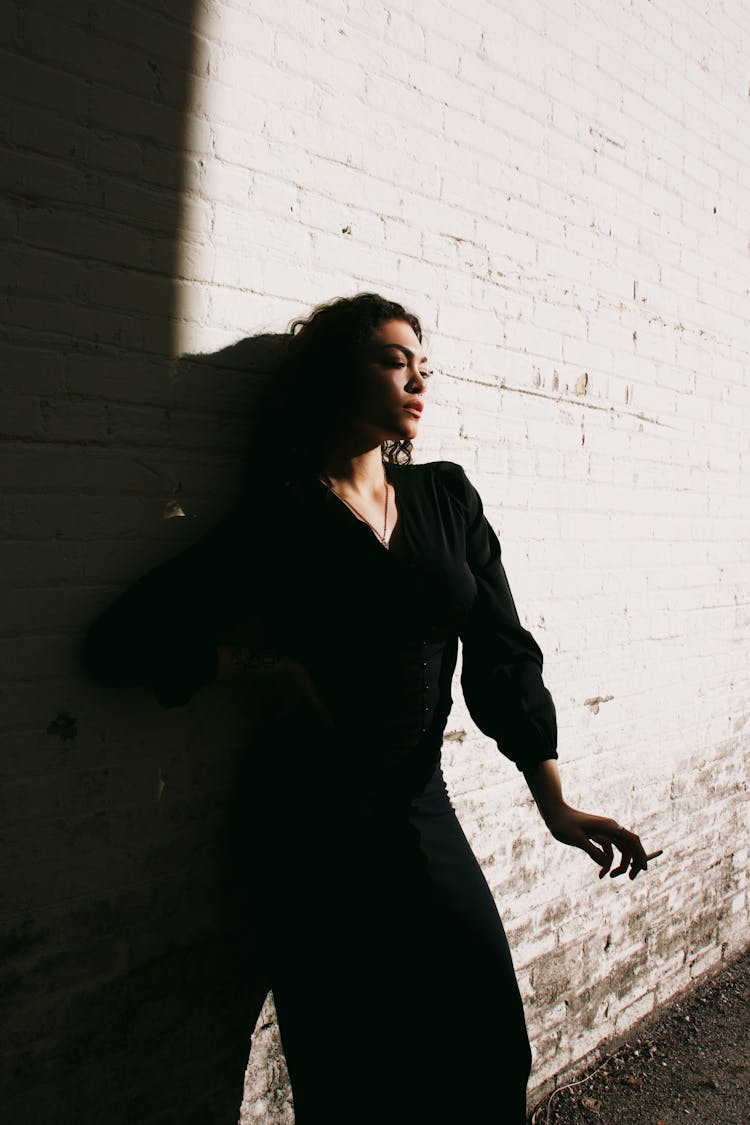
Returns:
(400, 363)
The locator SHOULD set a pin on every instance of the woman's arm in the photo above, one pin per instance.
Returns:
(501, 675)
(163, 631)
(580, 829)
(508, 700)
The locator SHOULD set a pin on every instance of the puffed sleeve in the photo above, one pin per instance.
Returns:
(163, 631)
(501, 675)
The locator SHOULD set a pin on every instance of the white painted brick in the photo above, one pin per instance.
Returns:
(243, 33)
(442, 50)
(451, 21)
(509, 247)
(522, 336)
(310, 62)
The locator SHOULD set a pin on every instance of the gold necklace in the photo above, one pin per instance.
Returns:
(382, 537)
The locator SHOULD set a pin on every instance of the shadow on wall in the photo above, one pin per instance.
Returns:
(224, 392)
(131, 982)
(195, 980)
(165, 1032)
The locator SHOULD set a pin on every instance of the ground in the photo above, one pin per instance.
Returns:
(690, 1065)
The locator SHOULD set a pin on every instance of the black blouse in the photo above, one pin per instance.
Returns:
(376, 627)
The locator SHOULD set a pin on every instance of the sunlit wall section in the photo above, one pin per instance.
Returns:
(303, 183)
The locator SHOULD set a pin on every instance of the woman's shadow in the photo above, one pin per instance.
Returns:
(229, 398)
(191, 924)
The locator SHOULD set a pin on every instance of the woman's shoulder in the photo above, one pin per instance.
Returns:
(450, 475)
(427, 469)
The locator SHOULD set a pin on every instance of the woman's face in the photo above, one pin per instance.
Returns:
(391, 385)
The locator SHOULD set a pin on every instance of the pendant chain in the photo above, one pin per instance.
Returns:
(382, 537)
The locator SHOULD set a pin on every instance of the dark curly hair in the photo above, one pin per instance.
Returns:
(318, 373)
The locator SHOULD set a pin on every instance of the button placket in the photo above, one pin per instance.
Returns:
(425, 689)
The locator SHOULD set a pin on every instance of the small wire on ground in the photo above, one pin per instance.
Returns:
(535, 1119)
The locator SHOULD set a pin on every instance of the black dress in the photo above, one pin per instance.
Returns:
(390, 970)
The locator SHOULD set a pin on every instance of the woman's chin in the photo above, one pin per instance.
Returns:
(403, 430)
(410, 428)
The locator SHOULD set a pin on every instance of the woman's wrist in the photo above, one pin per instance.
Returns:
(543, 779)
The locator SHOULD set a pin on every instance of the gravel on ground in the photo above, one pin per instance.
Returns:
(688, 1065)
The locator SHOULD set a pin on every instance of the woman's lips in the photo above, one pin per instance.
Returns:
(414, 413)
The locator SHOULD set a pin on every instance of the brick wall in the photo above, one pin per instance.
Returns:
(560, 191)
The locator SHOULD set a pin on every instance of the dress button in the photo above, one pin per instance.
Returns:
(424, 664)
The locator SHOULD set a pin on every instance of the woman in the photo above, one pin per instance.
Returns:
(346, 581)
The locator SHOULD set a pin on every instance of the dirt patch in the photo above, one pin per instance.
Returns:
(691, 1064)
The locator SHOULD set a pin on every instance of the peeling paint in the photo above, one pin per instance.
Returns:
(173, 508)
(593, 703)
(579, 400)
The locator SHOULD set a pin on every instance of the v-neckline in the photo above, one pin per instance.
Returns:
(398, 496)
(371, 532)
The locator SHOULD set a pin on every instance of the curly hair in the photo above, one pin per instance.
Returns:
(317, 377)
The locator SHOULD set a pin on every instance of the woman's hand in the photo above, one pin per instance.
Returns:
(242, 658)
(594, 835)
(586, 831)
(296, 687)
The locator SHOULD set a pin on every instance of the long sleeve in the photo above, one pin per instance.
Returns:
(501, 676)
(163, 631)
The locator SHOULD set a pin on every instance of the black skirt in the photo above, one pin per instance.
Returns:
(389, 966)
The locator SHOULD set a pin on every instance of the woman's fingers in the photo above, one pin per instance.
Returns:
(598, 836)
(606, 853)
(598, 855)
(621, 868)
(633, 853)
(633, 857)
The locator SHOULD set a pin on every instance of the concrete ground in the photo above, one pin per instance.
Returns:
(690, 1064)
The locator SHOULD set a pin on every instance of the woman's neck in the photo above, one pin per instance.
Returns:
(359, 475)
